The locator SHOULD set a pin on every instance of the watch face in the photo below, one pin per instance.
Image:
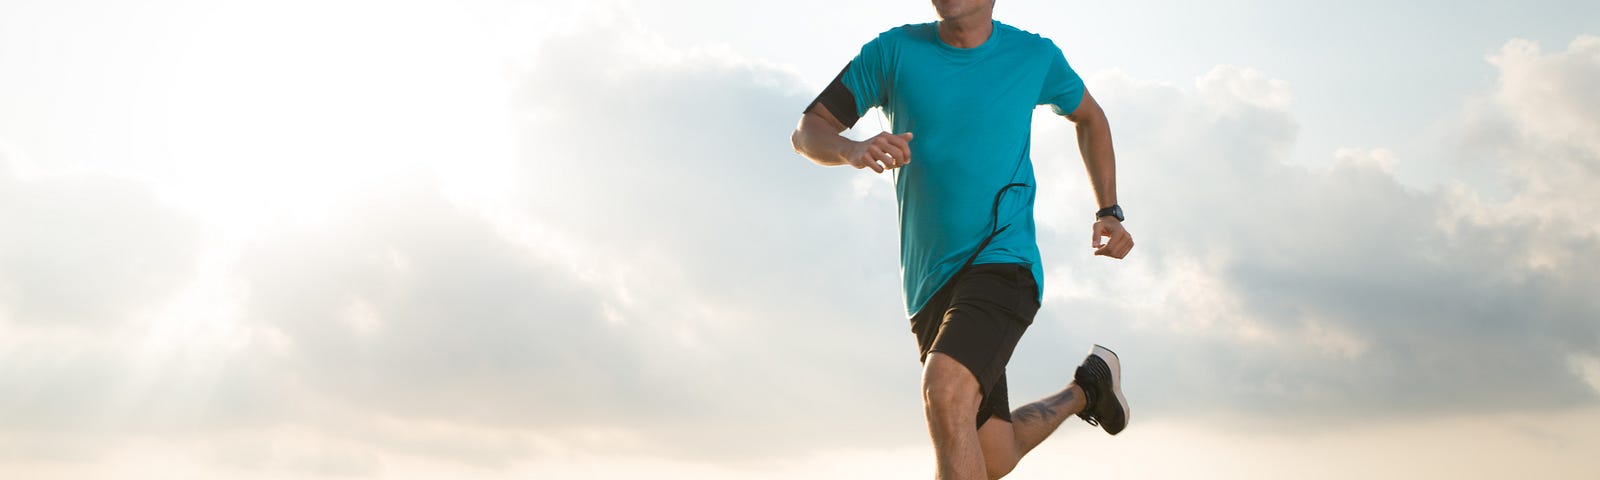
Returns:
(1111, 211)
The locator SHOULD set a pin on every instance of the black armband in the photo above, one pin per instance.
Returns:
(839, 101)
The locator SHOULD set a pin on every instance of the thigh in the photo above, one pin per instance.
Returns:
(990, 307)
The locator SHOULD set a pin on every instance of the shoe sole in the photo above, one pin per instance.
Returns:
(1111, 360)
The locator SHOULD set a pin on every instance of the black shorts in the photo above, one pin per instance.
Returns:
(977, 318)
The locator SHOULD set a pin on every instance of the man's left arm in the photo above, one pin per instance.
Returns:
(1094, 143)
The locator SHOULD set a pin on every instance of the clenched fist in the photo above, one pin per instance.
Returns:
(1119, 243)
(881, 152)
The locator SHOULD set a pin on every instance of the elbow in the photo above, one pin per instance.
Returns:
(794, 142)
(810, 142)
(797, 140)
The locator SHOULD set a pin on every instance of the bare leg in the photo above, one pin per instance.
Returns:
(1035, 422)
(950, 397)
(1004, 443)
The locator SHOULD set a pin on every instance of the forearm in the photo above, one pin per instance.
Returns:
(1094, 143)
(818, 140)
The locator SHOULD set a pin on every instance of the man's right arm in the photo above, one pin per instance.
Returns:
(817, 138)
(838, 107)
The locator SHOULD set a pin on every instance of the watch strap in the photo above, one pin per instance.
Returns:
(1113, 211)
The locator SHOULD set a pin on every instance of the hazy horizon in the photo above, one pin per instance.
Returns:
(566, 239)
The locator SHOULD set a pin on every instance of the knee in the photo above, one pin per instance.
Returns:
(950, 395)
(948, 387)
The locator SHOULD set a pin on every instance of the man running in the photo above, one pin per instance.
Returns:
(960, 94)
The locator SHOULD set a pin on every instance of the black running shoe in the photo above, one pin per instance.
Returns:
(1100, 377)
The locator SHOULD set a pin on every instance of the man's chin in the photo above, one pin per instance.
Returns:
(953, 14)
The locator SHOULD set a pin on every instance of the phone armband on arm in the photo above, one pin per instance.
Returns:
(839, 101)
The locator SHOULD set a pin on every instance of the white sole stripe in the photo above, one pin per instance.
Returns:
(1116, 378)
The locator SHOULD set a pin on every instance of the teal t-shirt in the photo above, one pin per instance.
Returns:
(970, 111)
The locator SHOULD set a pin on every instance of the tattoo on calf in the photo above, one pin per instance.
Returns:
(1046, 410)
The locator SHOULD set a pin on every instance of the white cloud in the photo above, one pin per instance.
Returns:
(87, 248)
(773, 272)
(1381, 159)
(1587, 367)
(1316, 289)
(1539, 129)
(668, 282)
(1552, 96)
(1228, 85)
(660, 324)
(403, 289)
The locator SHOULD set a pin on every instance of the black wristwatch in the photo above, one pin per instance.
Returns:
(1114, 210)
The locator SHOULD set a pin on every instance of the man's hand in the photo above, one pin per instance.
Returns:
(881, 152)
(817, 138)
(1120, 242)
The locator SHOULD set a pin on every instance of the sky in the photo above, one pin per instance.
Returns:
(560, 239)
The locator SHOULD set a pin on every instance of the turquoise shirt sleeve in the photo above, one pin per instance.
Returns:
(1063, 89)
(867, 76)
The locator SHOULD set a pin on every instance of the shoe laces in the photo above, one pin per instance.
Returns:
(1091, 394)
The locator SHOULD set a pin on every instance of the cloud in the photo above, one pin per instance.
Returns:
(1587, 367)
(403, 289)
(639, 315)
(1289, 289)
(409, 306)
(690, 159)
(667, 280)
(691, 283)
(672, 169)
(1261, 286)
(1539, 128)
(88, 262)
(1550, 96)
(84, 248)
(672, 280)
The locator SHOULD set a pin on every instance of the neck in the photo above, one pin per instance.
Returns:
(967, 31)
